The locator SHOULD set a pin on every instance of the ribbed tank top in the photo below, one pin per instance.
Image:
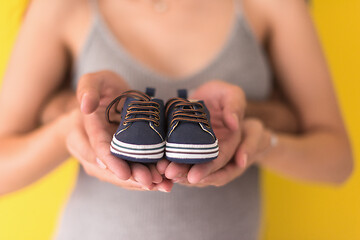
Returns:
(98, 210)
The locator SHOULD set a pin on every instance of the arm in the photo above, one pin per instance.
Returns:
(322, 151)
(34, 139)
(275, 113)
(36, 68)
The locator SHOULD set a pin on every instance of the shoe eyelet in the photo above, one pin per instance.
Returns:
(125, 123)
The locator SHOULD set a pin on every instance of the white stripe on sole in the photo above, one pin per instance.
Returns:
(138, 156)
(191, 156)
(189, 150)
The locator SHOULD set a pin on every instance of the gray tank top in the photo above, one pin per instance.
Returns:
(98, 210)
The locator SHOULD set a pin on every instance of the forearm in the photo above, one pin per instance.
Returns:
(275, 114)
(27, 157)
(320, 156)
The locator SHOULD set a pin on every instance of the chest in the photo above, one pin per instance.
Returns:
(177, 42)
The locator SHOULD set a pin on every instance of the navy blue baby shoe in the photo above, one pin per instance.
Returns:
(140, 136)
(190, 138)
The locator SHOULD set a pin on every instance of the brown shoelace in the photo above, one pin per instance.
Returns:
(186, 111)
(149, 110)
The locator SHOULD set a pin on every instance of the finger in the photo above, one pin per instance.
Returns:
(227, 97)
(100, 139)
(89, 102)
(156, 176)
(79, 146)
(107, 176)
(233, 104)
(165, 186)
(177, 170)
(223, 176)
(200, 171)
(226, 151)
(252, 135)
(162, 165)
(96, 87)
(141, 174)
(88, 92)
(116, 165)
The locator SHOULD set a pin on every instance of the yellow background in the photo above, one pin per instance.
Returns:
(292, 210)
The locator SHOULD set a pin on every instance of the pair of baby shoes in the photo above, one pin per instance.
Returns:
(147, 130)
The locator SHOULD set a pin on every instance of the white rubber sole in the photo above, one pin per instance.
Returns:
(134, 151)
(192, 151)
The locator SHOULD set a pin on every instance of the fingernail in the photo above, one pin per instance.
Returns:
(146, 188)
(100, 163)
(244, 162)
(82, 102)
(161, 189)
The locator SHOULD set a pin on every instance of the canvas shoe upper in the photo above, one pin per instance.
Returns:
(140, 134)
(190, 138)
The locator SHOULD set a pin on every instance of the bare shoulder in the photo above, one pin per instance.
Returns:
(266, 14)
(63, 18)
(274, 6)
(52, 11)
(281, 10)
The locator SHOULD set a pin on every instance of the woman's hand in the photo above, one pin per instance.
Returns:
(226, 104)
(95, 91)
(97, 88)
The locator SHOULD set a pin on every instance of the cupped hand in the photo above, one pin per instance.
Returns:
(95, 91)
(226, 104)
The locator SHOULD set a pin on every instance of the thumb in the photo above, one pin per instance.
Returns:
(233, 103)
(88, 92)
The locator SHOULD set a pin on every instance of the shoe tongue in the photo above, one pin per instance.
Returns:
(182, 93)
(150, 92)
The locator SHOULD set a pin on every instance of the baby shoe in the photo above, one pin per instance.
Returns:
(140, 136)
(190, 138)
